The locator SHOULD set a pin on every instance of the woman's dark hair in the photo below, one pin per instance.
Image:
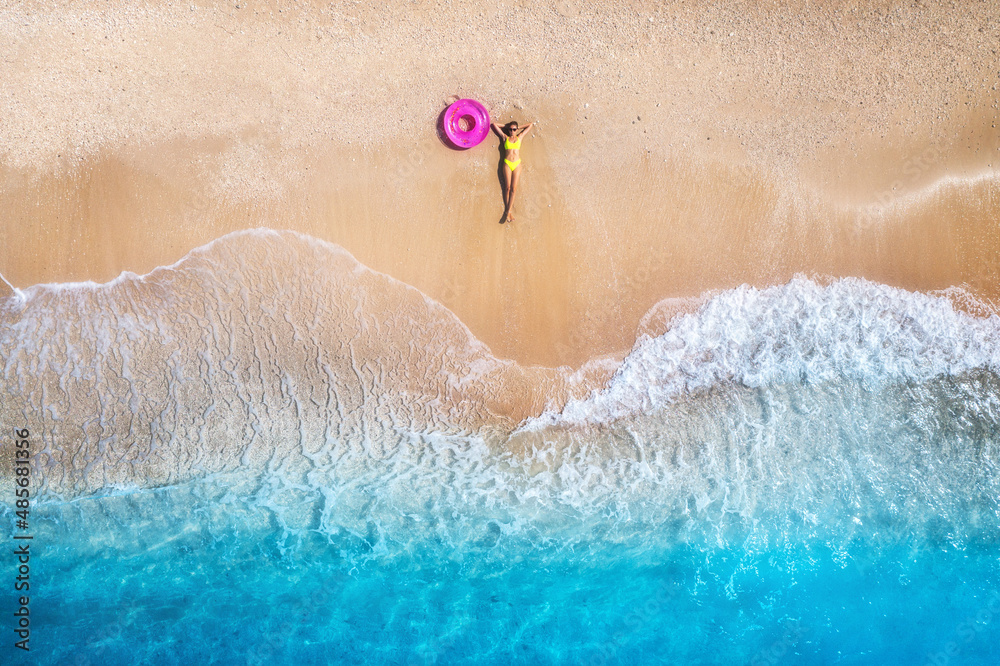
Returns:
(512, 125)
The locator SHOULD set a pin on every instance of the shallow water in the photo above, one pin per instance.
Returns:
(195, 575)
(311, 467)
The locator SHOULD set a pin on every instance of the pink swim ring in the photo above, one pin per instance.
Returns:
(466, 123)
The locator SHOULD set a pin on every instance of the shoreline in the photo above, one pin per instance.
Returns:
(559, 289)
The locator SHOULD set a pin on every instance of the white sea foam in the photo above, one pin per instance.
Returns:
(347, 403)
(891, 200)
(257, 343)
(798, 332)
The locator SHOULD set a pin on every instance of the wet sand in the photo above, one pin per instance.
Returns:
(679, 149)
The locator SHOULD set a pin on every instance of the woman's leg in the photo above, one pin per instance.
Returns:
(515, 176)
(507, 179)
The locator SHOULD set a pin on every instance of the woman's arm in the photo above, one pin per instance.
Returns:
(496, 130)
(524, 130)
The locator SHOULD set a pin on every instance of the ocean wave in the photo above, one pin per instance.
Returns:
(800, 332)
(278, 371)
(256, 344)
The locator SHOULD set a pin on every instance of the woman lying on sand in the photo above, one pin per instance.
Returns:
(511, 162)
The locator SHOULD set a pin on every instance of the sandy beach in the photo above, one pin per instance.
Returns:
(679, 148)
(278, 388)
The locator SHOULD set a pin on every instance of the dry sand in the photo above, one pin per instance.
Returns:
(680, 147)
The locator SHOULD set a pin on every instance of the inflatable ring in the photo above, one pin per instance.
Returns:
(466, 123)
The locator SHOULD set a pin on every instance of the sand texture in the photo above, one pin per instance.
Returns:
(680, 148)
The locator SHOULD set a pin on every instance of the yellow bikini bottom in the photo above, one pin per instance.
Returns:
(512, 165)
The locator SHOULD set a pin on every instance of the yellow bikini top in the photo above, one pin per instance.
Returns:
(512, 146)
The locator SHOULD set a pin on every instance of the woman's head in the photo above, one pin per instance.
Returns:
(511, 126)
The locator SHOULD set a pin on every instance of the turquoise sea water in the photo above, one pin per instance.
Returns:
(806, 474)
(181, 577)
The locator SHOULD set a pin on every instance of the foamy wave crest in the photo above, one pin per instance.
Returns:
(255, 346)
(273, 373)
(799, 332)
